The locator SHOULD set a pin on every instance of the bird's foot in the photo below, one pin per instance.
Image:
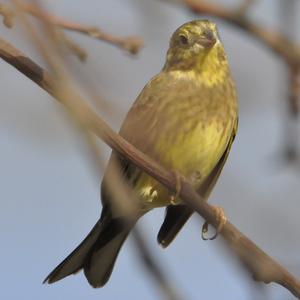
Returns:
(222, 219)
(175, 198)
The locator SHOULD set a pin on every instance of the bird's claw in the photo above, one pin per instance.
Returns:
(221, 222)
(174, 198)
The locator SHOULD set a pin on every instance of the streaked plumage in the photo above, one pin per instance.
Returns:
(186, 119)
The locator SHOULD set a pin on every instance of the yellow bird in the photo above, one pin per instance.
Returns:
(186, 119)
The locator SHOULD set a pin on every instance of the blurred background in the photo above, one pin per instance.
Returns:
(50, 188)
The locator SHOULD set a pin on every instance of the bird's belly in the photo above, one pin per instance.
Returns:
(191, 153)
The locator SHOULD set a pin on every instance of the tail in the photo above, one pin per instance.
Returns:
(176, 217)
(96, 255)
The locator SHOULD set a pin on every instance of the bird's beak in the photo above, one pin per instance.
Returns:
(207, 41)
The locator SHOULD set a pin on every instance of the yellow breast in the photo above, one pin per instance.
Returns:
(183, 123)
(192, 153)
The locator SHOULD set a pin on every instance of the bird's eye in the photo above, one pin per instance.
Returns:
(183, 39)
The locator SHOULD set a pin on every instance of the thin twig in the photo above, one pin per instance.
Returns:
(261, 265)
(73, 47)
(7, 14)
(131, 44)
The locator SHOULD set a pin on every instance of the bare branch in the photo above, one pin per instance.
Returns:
(7, 14)
(75, 49)
(261, 265)
(131, 44)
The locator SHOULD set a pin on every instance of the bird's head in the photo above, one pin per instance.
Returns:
(192, 43)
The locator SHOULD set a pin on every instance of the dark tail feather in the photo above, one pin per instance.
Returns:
(100, 262)
(96, 254)
(176, 217)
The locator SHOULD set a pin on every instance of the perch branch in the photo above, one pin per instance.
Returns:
(259, 263)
